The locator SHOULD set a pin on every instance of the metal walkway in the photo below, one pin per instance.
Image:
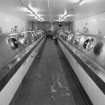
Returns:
(49, 81)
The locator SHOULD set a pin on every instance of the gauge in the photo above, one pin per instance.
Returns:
(13, 43)
(89, 44)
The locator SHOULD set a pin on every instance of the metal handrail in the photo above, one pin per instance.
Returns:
(11, 68)
(96, 72)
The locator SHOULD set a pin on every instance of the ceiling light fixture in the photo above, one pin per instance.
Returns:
(30, 13)
(82, 2)
(64, 16)
(34, 11)
(75, 1)
(24, 9)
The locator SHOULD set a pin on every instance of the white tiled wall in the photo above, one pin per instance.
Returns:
(95, 24)
(8, 21)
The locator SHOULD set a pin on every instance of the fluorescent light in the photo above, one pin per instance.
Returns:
(75, 1)
(24, 9)
(86, 1)
(65, 12)
(63, 16)
(35, 12)
(83, 2)
(31, 15)
(34, 9)
(32, 12)
(69, 15)
(93, 20)
(40, 15)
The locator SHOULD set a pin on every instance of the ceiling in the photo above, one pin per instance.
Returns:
(50, 9)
